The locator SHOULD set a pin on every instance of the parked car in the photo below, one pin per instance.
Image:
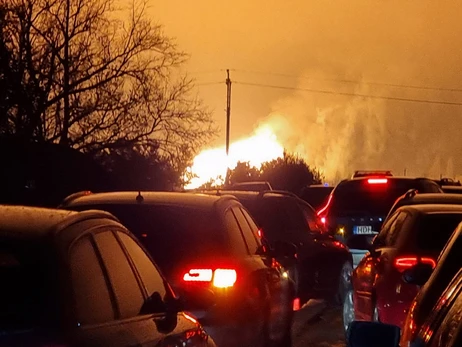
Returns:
(211, 253)
(441, 328)
(324, 264)
(449, 263)
(413, 235)
(413, 197)
(82, 279)
(316, 195)
(359, 206)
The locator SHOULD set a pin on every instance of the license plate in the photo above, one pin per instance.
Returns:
(362, 229)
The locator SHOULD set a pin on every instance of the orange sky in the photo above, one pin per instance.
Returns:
(399, 42)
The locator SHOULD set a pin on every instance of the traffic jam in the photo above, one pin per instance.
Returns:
(236, 266)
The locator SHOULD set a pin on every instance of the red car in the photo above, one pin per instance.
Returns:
(413, 234)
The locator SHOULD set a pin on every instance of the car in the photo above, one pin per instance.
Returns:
(209, 249)
(433, 285)
(324, 264)
(441, 328)
(316, 195)
(358, 206)
(82, 279)
(413, 235)
(412, 197)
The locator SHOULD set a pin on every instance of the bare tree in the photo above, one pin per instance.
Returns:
(98, 78)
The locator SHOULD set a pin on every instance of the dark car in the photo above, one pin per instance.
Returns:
(316, 195)
(324, 264)
(357, 207)
(441, 328)
(251, 186)
(449, 263)
(412, 197)
(210, 251)
(413, 235)
(82, 279)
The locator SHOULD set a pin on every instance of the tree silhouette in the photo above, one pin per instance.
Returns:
(290, 173)
(75, 72)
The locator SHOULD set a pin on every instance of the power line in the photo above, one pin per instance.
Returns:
(208, 83)
(351, 94)
(354, 82)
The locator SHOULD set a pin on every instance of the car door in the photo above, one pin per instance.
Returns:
(279, 299)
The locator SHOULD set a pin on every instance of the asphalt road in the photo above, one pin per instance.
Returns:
(316, 325)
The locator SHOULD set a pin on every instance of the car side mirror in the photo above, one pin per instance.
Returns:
(284, 249)
(418, 274)
(372, 334)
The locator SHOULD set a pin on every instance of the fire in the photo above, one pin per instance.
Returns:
(212, 164)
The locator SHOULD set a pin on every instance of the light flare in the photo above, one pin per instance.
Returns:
(212, 164)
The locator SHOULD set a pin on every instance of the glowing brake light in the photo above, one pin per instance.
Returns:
(220, 278)
(198, 275)
(377, 180)
(403, 263)
(224, 278)
(323, 220)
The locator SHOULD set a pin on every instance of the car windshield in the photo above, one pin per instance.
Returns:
(26, 299)
(171, 232)
(361, 198)
(435, 230)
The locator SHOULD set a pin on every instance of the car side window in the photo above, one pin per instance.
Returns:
(150, 276)
(310, 218)
(127, 291)
(92, 298)
(379, 240)
(395, 229)
(236, 238)
(248, 233)
(446, 332)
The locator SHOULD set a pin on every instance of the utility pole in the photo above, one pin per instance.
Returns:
(228, 120)
(228, 109)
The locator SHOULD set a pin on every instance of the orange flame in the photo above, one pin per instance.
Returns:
(212, 164)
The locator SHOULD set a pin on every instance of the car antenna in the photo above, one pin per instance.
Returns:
(139, 198)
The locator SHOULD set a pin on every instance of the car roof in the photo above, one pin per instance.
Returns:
(433, 208)
(30, 222)
(436, 198)
(185, 199)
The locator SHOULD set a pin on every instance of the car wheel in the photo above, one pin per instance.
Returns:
(344, 283)
(348, 310)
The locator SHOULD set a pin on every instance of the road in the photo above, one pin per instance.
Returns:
(316, 325)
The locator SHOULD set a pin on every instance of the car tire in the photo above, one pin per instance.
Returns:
(344, 283)
(348, 312)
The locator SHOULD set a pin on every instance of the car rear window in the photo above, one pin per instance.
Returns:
(172, 234)
(27, 284)
(316, 196)
(435, 230)
(359, 197)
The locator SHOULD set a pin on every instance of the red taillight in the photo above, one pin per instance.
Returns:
(377, 181)
(260, 233)
(403, 263)
(323, 220)
(220, 278)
